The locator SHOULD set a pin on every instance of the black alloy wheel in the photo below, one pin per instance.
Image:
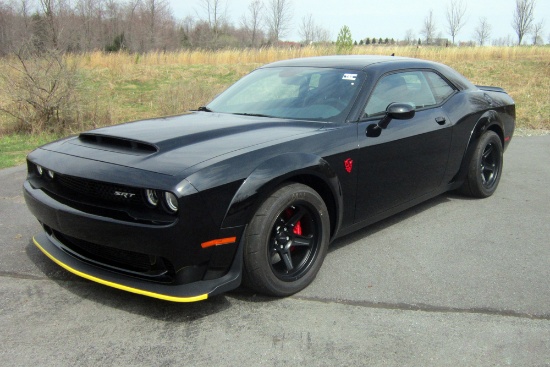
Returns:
(294, 241)
(287, 241)
(485, 167)
(490, 165)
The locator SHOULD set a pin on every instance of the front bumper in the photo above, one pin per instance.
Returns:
(189, 265)
(192, 292)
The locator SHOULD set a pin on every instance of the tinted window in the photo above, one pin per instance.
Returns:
(441, 90)
(421, 88)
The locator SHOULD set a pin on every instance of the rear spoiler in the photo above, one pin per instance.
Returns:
(491, 89)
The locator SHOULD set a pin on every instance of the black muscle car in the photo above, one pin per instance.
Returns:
(253, 186)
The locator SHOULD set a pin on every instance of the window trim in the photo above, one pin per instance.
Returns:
(422, 70)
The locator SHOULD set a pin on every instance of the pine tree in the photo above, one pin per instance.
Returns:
(344, 41)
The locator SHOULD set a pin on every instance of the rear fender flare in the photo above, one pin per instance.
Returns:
(270, 174)
(488, 121)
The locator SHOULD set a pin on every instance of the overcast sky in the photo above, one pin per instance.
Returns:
(386, 18)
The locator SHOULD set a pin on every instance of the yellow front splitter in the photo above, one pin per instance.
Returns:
(60, 254)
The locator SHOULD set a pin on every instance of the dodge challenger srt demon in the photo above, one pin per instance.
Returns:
(253, 186)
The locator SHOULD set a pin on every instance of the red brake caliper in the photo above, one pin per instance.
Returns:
(297, 227)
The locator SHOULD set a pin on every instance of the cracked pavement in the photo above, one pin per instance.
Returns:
(450, 282)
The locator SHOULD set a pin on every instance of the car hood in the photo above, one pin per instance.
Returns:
(170, 145)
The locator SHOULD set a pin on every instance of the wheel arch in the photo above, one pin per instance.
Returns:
(307, 169)
(488, 121)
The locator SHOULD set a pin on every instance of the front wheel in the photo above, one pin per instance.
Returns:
(485, 167)
(286, 241)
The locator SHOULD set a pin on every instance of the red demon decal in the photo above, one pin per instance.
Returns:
(348, 163)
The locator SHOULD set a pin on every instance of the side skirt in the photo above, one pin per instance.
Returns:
(397, 209)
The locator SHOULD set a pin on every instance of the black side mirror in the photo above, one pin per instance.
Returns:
(398, 111)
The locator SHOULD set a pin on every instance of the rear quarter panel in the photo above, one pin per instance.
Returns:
(472, 112)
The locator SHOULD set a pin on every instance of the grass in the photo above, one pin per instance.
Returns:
(116, 87)
(15, 147)
(144, 91)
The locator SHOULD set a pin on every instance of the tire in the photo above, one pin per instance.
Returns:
(286, 241)
(485, 167)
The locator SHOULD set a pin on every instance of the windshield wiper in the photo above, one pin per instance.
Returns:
(204, 109)
(250, 114)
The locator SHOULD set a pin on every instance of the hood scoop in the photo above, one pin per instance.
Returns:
(115, 144)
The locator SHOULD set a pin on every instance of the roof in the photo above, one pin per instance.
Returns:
(354, 62)
(383, 64)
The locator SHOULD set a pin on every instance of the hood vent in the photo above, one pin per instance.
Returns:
(117, 144)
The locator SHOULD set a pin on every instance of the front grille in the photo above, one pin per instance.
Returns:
(148, 266)
(106, 199)
(100, 190)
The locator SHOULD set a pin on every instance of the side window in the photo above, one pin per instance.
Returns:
(391, 88)
(441, 90)
(421, 88)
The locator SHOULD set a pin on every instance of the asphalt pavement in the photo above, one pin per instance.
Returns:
(451, 282)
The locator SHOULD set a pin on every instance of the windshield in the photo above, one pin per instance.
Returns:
(292, 92)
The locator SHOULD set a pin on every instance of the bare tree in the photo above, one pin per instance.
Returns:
(155, 13)
(307, 29)
(215, 14)
(49, 10)
(90, 13)
(56, 25)
(113, 25)
(410, 37)
(322, 34)
(251, 22)
(482, 31)
(130, 13)
(311, 32)
(428, 28)
(455, 17)
(538, 28)
(25, 10)
(41, 89)
(278, 19)
(15, 25)
(523, 18)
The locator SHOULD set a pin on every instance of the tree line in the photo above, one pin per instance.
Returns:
(523, 23)
(146, 25)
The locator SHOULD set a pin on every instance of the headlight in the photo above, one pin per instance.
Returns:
(152, 197)
(171, 202)
(40, 170)
(51, 174)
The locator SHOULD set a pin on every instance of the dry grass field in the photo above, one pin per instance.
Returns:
(112, 88)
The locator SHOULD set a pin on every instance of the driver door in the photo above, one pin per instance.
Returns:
(409, 158)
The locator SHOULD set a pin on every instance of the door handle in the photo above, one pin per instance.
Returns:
(440, 120)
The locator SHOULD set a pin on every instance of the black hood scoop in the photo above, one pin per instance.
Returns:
(116, 144)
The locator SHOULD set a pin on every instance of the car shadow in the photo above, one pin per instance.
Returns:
(394, 219)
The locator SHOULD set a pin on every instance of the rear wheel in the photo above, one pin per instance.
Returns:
(485, 167)
(286, 241)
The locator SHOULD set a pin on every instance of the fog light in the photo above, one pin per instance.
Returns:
(171, 201)
(152, 197)
(40, 170)
(51, 174)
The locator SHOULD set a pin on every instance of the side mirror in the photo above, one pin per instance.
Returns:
(398, 111)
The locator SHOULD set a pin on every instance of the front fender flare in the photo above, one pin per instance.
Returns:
(275, 171)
